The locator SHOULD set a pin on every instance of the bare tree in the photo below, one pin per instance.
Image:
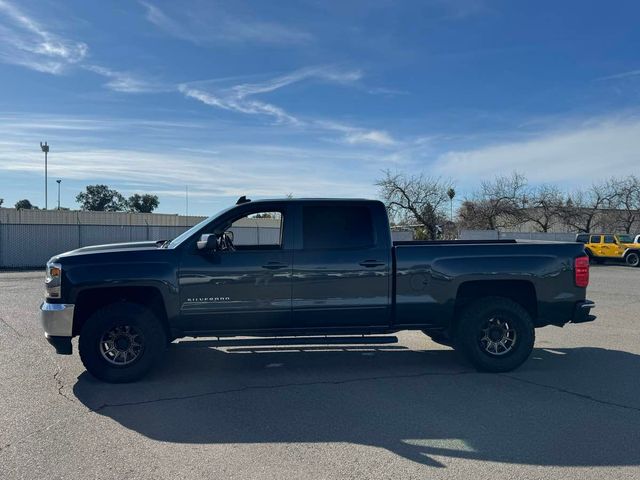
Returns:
(583, 209)
(543, 206)
(498, 204)
(626, 202)
(416, 199)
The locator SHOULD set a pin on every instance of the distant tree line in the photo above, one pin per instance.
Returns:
(101, 198)
(508, 202)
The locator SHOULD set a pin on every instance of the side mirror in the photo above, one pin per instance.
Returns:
(208, 241)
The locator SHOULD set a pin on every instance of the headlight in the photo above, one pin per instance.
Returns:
(52, 280)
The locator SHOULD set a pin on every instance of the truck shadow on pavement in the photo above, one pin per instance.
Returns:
(564, 407)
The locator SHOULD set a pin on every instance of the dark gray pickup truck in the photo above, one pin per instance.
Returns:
(308, 267)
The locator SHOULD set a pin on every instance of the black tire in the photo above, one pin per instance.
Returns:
(632, 259)
(121, 317)
(495, 314)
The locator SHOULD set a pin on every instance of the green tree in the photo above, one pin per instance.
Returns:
(1, 201)
(24, 205)
(101, 198)
(143, 203)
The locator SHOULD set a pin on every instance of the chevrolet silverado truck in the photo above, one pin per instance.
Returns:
(311, 268)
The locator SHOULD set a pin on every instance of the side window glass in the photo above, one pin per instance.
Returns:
(595, 239)
(329, 227)
(258, 231)
(609, 239)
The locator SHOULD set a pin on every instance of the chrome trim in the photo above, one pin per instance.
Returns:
(588, 304)
(57, 319)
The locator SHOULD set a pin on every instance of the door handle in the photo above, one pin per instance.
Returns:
(372, 263)
(274, 265)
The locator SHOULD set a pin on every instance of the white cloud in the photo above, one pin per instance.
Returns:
(357, 136)
(213, 25)
(618, 76)
(240, 97)
(578, 155)
(377, 137)
(124, 81)
(161, 155)
(236, 103)
(23, 41)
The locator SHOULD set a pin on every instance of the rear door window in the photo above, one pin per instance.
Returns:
(333, 227)
(595, 238)
(609, 239)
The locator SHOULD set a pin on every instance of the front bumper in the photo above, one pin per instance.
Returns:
(57, 322)
(581, 313)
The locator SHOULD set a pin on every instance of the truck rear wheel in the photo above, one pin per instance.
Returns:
(121, 342)
(495, 334)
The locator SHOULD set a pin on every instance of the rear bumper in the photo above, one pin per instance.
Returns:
(57, 323)
(581, 312)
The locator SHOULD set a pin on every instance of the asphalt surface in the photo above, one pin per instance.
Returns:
(406, 410)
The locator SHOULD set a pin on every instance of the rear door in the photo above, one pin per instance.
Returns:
(341, 268)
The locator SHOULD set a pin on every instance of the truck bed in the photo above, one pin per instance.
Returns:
(431, 276)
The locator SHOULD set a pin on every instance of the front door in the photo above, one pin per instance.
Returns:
(244, 288)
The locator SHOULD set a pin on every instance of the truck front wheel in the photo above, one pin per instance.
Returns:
(495, 334)
(121, 342)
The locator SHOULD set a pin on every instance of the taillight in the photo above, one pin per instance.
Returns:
(581, 271)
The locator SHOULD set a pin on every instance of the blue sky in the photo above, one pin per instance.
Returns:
(312, 98)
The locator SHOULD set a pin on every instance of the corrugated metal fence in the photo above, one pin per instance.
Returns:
(31, 245)
(499, 235)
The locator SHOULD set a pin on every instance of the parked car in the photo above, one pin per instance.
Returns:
(607, 246)
(330, 269)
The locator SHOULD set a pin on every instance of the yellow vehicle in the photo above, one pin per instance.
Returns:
(606, 246)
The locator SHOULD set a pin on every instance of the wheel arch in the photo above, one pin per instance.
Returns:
(522, 292)
(90, 300)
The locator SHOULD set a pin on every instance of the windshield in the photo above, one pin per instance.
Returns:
(183, 236)
(625, 238)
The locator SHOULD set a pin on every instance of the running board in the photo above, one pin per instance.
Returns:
(277, 341)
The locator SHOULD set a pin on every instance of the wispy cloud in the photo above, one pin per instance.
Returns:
(214, 25)
(286, 172)
(23, 41)
(358, 136)
(126, 82)
(617, 76)
(377, 137)
(240, 97)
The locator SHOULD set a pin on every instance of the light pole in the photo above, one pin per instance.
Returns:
(58, 182)
(45, 149)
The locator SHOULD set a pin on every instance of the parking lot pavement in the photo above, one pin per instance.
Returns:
(406, 410)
